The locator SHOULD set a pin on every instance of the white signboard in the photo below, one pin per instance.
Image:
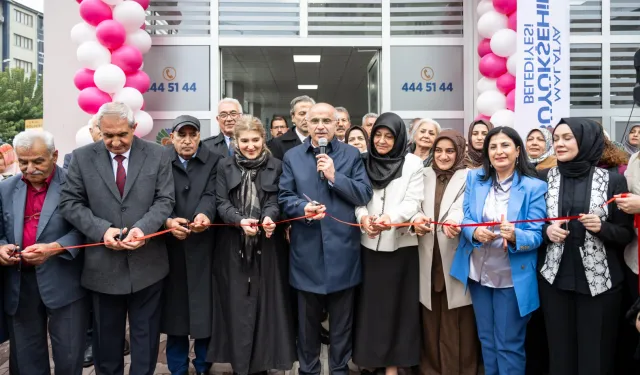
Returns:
(542, 88)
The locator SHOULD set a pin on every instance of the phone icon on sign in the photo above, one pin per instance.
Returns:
(169, 73)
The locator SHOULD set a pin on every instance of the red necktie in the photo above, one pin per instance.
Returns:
(121, 175)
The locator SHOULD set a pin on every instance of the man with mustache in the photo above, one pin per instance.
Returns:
(325, 255)
(344, 123)
(278, 126)
(42, 292)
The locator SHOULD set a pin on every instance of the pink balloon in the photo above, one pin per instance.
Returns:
(95, 11)
(139, 80)
(484, 47)
(83, 79)
(506, 83)
(491, 65)
(111, 34)
(512, 23)
(128, 58)
(505, 6)
(143, 3)
(91, 99)
(482, 117)
(79, 1)
(511, 100)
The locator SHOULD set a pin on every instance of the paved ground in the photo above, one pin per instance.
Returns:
(161, 366)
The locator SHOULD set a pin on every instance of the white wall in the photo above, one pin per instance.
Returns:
(62, 116)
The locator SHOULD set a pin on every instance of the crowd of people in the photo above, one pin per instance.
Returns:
(404, 248)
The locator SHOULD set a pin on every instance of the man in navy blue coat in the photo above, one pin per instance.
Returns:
(325, 254)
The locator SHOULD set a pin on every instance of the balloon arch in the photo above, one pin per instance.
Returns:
(497, 26)
(111, 41)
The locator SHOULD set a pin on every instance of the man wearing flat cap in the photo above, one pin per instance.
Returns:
(187, 290)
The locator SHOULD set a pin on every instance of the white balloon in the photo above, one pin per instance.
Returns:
(490, 102)
(512, 64)
(490, 23)
(83, 137)
(504, 42)
(93, 55)
(485, 6)
(130, 14)
(503, 117)
(486, 84)
(112, 2)
(131, 97)
(109, 78)
(145, 123)
(139, 39)
(83, 32)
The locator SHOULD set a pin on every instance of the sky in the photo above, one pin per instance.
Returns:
(35, 4)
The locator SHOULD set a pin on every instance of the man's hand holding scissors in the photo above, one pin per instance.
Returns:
(314, 208)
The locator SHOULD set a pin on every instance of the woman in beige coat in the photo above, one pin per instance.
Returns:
(450, 341)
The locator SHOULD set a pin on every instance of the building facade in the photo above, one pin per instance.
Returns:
(22, 37)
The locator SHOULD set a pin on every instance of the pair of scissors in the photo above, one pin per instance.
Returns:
(315, 203)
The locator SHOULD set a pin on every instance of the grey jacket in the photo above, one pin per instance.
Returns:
(91, 202)
(217, 144)
(58, 277)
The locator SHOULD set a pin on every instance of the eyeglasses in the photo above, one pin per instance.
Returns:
(325, 121)
(233, 115)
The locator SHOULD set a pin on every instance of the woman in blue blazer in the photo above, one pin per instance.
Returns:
(502, 281)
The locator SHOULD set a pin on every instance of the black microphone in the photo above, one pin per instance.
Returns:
(636, 88)
(322, 142)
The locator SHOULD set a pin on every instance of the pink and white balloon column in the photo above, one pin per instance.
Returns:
(496, 89)
(111, 42)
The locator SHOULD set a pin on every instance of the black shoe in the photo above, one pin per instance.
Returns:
(324, 336)
(88, 356)
(127, 347)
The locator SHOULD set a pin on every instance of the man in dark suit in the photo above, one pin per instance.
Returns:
(188, 290)
(298, 132)
(96, 135)
(229, 111)
(41, 278)
(122, 186)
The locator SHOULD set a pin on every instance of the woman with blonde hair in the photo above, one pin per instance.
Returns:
(252, 320)
(422, 136)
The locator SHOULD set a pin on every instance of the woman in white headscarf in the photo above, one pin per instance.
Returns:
(539, 144)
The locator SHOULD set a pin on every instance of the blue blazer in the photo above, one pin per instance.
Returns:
(526, 201)
(58, 277)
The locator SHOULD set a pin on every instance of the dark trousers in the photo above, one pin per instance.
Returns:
(582, 330)
(109, 327)
(28, 333)
(339, 305)
(178, 355)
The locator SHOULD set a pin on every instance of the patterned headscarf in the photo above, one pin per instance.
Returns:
(628, 147)
(548, 146)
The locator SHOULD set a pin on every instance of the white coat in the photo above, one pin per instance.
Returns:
(451, 206)
(401, 200)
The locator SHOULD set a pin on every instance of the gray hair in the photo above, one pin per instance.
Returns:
(425, 121)
(116, 109)
(344, 110)
(301, 99)
(27, 138)
(93, 121)
(230, 100)
(369, 115)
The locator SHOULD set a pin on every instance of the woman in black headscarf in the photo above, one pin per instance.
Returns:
(387, 318)
(581, 273)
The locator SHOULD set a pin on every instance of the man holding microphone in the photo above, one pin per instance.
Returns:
(325, 254)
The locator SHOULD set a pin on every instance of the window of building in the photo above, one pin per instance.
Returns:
(24, 65)
(23, 42)
(23, 18)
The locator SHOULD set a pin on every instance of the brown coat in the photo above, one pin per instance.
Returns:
(547, 163)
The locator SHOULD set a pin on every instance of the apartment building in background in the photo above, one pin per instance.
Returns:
(21, 37)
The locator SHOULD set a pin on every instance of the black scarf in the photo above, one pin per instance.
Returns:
(384, 169)
(590, 139)
(247, 195)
